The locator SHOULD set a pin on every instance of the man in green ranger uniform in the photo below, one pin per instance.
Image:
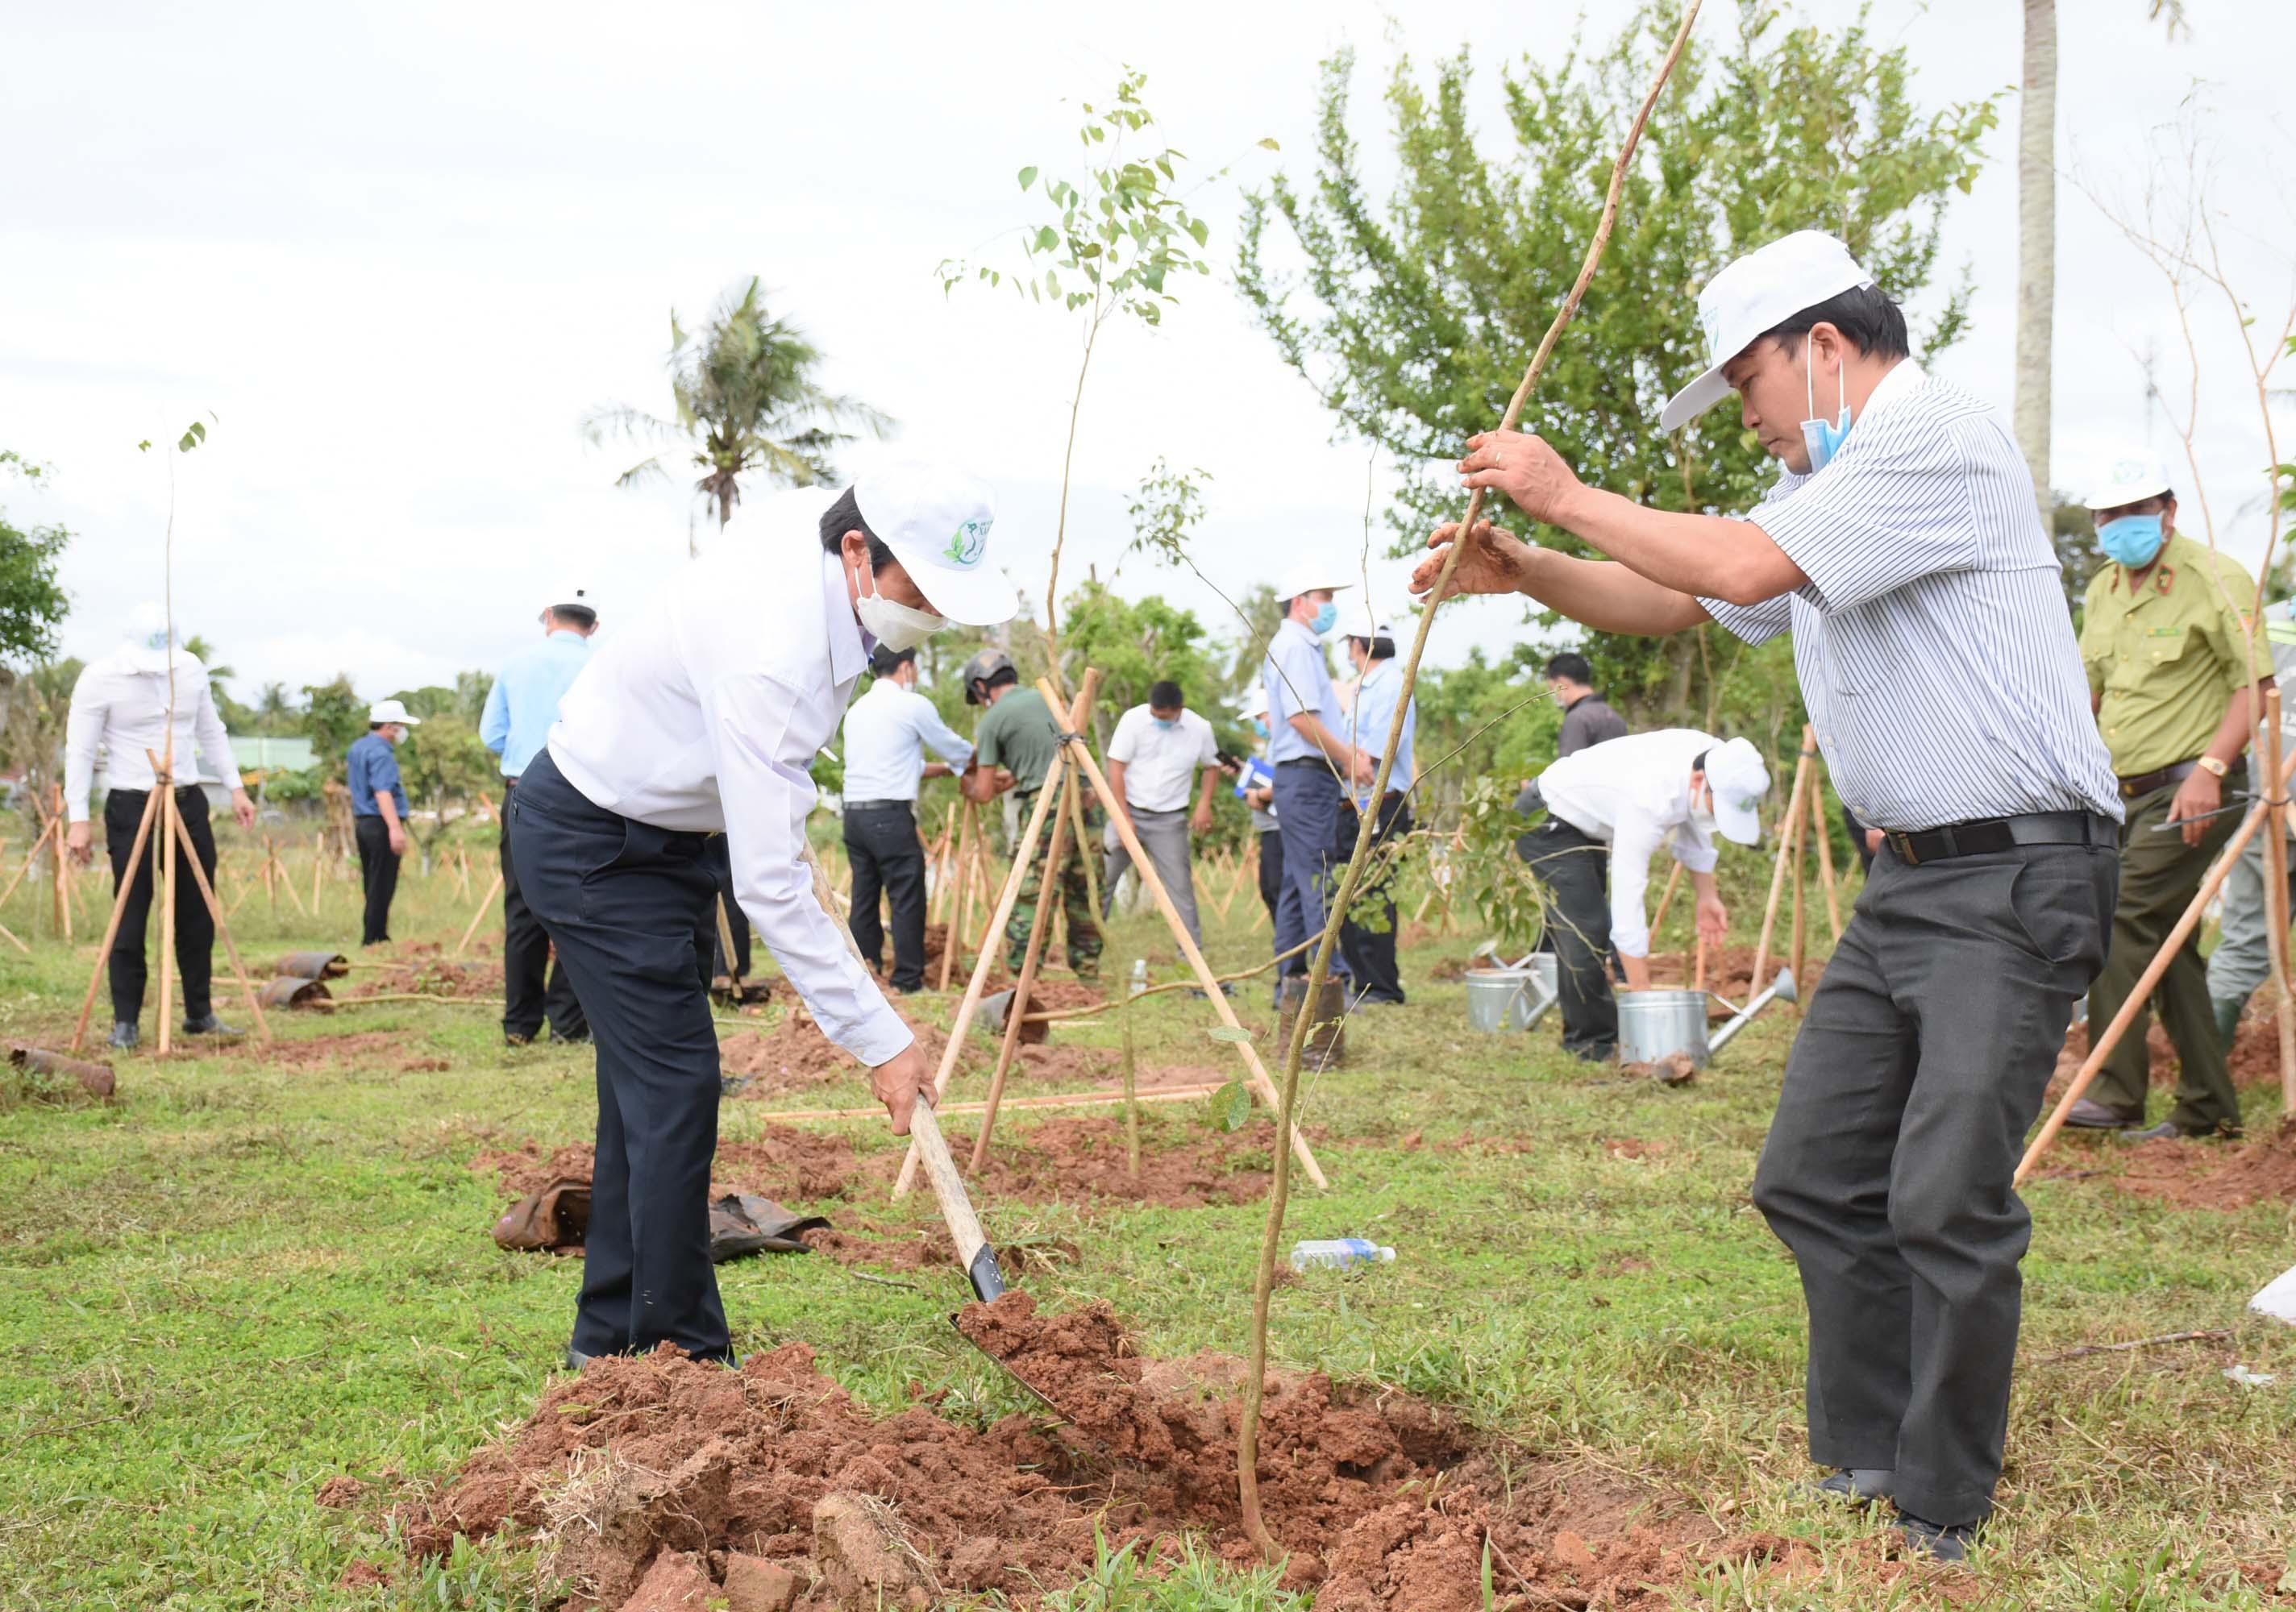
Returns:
(1012, 748)
(2169, 679)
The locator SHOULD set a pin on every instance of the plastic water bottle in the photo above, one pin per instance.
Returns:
(1339, 1253)
(1139, 978)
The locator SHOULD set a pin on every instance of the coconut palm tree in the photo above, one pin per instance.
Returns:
(747, 404)
(2037, 228)
(272, 706)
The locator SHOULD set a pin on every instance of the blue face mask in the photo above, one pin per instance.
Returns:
(1822, 440)
(2133, 540)
(1327, 617)
(1259, 727)
(1166, 722)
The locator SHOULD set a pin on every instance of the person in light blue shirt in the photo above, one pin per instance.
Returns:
(1370, 951)
(887, 732)
(1305, 727)
(520, 709)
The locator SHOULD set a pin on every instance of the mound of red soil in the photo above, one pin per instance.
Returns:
(641, 1458)
(2255, 1055)
(1183, 1166)
(311, 1050)
(430, 976)
(784, 1163)
(795, 1056)
(2208, 1175)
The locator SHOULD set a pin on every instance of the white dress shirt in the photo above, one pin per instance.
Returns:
(717, 698)
(120, 705)
(1934, 648)
(1633, 793)
(886, 734)
(1161, 765)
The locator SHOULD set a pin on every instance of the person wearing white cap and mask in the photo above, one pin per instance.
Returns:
(122, 707)
(378, 812)
(1370, 950)
(520, 708)
(1609, 807)
(1903, 548)
(2175, 697)
(1313, 761)
(703, 716)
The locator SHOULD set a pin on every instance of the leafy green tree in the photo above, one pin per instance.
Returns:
(333, 716)
(32, 604)
(441, 761)
(746, 405)
(1412, 316)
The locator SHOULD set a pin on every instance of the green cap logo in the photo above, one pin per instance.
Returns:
(967, 544)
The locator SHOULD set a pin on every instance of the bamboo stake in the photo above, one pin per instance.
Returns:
(164, 893)
(30, 857)
(725, 938)
(959, 916)
(1006, 898)
(2275, 897)
(1131, 1095)
(1039, 926)
(1086, 851)
(479, 917)
(1786, 827)
(2101, 1047)
(1256, 1373)
(1261, 1084)
(119, 910)
(1059, 1099)
(222, 928)
(318, 867)
(1698, 977)
(1807, 777)
(1666, 899)
(1824, 829)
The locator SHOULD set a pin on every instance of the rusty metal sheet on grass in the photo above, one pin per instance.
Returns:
(313, 965)
(94, 1080)
(288, 991)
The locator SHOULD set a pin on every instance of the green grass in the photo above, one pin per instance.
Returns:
(245, 1277)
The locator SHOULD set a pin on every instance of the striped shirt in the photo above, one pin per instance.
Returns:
(1935, 651)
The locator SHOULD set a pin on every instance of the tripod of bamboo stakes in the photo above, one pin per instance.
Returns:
(1061, 796)
(1802, 816)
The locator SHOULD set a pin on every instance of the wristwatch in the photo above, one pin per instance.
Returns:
(2212, 766)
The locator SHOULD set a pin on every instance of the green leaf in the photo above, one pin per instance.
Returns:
(1047, 238)
(1202, 230)
(1268, 145)
(1027, 177)
(1230, 1032)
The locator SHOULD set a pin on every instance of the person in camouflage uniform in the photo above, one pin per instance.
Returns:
(1012, 749)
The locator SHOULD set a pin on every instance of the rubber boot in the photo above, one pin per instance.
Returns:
(2227, 1019)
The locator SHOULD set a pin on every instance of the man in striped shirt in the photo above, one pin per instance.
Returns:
(1903, 548)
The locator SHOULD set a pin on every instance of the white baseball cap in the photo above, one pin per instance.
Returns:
(148, 643)
(391, 710)
(1735, 773)
(1365, 622)
(1254, 703)
(1312, 576)
(1755, 294)
(936, 517)
(2131, 478)
(577, 598)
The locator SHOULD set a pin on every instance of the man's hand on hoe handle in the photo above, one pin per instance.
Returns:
(899, 1081)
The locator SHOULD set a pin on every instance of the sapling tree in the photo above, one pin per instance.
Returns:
(1112, 244)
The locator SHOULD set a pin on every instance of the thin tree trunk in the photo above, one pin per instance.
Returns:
(2037, 243)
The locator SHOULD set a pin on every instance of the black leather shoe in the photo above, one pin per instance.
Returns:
(208, 1025)
(2164, 1131)
(124, 1035)
(516, 1038)
(2088, 1115)
(1858, 1485)
(1938, 1542)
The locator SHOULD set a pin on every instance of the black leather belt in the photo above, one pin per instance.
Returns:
(880, 805)
(1307, 761)
(1985, 834)
(2145, 783)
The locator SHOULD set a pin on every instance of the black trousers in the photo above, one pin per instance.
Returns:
(1919, 1067)
(629, 907)
(123, 810)
(1371, 950)
(1573, 868)
(378, 873)
(719, 855)
(533, 986)
(880, 836)
(1271, 870)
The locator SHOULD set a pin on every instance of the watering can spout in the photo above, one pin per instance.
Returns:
(1782, 986)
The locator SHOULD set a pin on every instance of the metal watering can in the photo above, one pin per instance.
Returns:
(1782, 987)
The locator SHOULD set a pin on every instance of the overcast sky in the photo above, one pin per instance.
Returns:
(399, 251)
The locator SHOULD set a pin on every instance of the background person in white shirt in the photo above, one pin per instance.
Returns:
(1156, 753)
(1609, 807)
(705, 714)
(120, 707)
(886, 733)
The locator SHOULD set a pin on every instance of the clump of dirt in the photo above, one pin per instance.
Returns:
(1674, 1070)
(2208, 1175)
(338, 1491)
(422, 971)
(1382, 1499)
(1182, 1166)
(312, 1051)
(2255, 1057)
(783, 1163)
(1447, 968)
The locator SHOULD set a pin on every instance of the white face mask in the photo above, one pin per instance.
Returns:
(896, 625)
(1701, 809)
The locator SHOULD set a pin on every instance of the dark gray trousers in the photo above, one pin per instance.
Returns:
(1918, 1069)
